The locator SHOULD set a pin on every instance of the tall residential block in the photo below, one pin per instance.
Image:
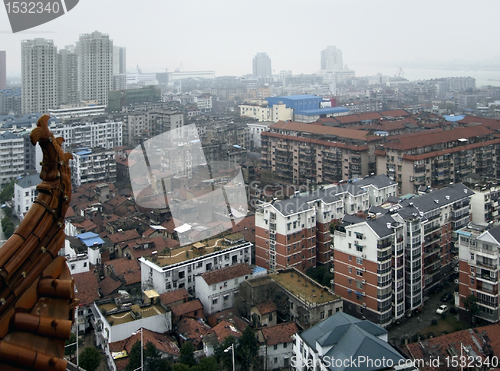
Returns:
(331, 58)
(3, 70)
(67, 69)
(38, 76)
(95, 67)
(262, 65)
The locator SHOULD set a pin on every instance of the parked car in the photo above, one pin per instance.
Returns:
(442, 309)
(446, 296)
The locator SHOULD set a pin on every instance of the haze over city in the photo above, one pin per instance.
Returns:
(224, 36)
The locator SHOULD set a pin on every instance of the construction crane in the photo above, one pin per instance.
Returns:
(399, 72)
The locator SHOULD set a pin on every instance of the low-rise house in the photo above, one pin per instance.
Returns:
(344, 337)
(116, 320)
(264, 314)
(175, 297)
(481, 343)
(192, 309)
(25, 193)
(87, 291)
(193, 330)
(127, 271)
(298, 298)
(116, 354)
(109, 285)
(226, 329)
(276, 347)
(216, 289)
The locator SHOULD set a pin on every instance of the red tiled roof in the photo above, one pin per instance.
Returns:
(267, 307)
(118, 237)
(340, 132)
(87, 286)
(395, 113)
(70, 212)
(108, 285)
(279, 334)
(86, 225)
(227, 273)
(225, 329)
(436, 136)
(148, 232)
(193, 330)
(487, 337)
(173, 296)
(125, 268)
(230, 316)
(423, 156)
(186, 308)
(321, 142)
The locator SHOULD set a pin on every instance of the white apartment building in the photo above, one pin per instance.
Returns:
(379, 188)
(368, 275)
(39, 78)
(255, 129)
(90, 134)
(479, 256)
(278, 112)
(93, 165)
(12, 156)
(77, 110)
(95, 66)
(25, 194)
(178, 269)
(217, 289)
(484, 204)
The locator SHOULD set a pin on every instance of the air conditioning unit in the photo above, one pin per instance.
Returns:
(363, 256)
(363, 269)
(456, 269)
(473, 274)
(457, 281)
(363, 281)
(332, 282)
(364, 294)
(331, 270)
(364, 305)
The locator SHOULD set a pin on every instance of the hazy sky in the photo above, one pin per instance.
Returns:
(224, 36)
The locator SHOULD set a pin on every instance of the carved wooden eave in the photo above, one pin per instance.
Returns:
(37, 296)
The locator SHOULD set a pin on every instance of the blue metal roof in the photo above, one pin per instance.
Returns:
(258, 270)
(453, 118)
(295, 97)
(84, 152)
(90, 239)
(322, 111)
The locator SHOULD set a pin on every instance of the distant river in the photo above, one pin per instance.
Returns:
(483, 77)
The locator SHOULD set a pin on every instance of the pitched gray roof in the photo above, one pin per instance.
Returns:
(380, 224)
(29, 181)
(302, 202)
(444, 196)
(495, 232)
(379, 181)
(350, 337)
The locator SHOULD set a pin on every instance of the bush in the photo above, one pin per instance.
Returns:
(434, 322)
(443, 316)
(453, 310)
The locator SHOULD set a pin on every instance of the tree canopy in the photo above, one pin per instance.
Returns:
(90, 359)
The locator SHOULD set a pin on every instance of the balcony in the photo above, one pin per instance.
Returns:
(490, 265)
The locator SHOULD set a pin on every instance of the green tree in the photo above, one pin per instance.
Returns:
(9, 231)
(207, 364)
(180, 367)
(224, 358)
(7, 212)
(90, 359)
(247, 350)
(187, 354)
(134, 357)
(7, 192)
(470, 305)
(69, 351)
(320, 274)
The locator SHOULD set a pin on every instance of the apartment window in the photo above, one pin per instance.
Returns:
(275, 358)
(226, 297)
(350, 281)
(167, 286)
(291, 305)
(472, 269)
(275, 348)
(236, 281)
(214, 301)
(322, 315)
(270, 317)
(359, 261)
(330, 312)
(359, 272)
(471, 256)
(350, 257)
(285, 345)
(472, 281)
(225, 284)
(85, 264)
(214, 287)
(350, 269)
(350, 246)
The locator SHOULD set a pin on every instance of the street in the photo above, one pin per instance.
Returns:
(418, 322)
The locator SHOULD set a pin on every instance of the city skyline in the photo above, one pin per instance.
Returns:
(382, 39)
